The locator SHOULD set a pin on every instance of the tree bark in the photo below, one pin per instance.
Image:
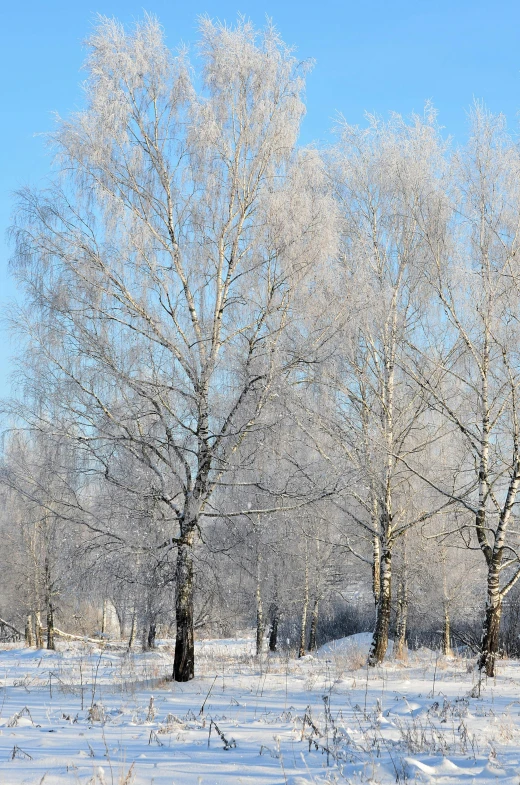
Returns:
(133, 630)
(490, 634)
(402, 618)
(376, 569)
(38, 629)
(402, 606)
(184, 662)
(50, 627)
(104, 617)
(29, 636)
(49, 606)
(274, 615)
(152, 629)
(273, 632)
(380, 639)
(260, 621)
(446, 632)
(121, 617)
(305, 608)
(314, 624)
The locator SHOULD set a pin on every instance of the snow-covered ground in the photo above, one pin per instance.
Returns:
(83, 715)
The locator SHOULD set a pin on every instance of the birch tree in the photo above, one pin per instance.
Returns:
(161, 264)
(469, 365)
(383, 177)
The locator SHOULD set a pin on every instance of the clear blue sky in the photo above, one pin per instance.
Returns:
(376, 56)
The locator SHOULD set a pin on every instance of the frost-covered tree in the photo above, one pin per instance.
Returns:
(161, 264)
(468, 364)
(383, 175)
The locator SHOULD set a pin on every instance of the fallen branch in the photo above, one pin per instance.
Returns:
(6, 624)
(70, 636)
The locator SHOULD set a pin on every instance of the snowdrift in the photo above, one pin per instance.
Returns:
(358, 643)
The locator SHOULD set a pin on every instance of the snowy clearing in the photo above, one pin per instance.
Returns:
(84, 715)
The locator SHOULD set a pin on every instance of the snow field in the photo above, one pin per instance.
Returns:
(104, 717)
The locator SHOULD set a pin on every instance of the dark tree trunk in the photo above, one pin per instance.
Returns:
(274, 616)
(380, 639)
(150, 642)
(184, 663)
(492, 622)
(50, 627)
(133, 630)
(273, 632)
(49, 606)
(314, 624)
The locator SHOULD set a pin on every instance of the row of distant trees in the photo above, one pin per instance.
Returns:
(237, 352)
